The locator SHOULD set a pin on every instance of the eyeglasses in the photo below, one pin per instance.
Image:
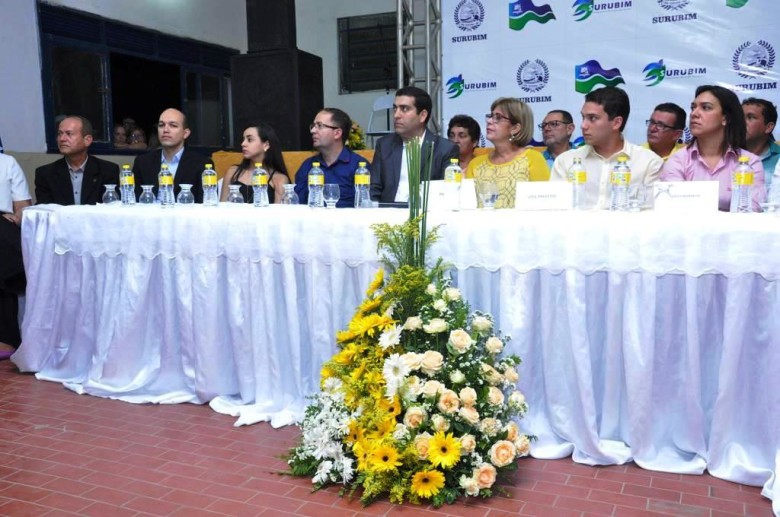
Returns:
(320, 125)
(552, 124)
(496, 117)
(660, 126)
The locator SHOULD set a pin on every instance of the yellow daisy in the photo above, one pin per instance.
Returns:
(427, 483)
(355, 433)
(384, 428)
(376, 283)
(362, 450)
(385, 459)
(390, 408)
(369, 304)
(444, 450)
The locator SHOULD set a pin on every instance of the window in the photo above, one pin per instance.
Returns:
(368, 57)
(108, 71)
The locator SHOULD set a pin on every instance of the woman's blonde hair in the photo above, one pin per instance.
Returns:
(518, 113)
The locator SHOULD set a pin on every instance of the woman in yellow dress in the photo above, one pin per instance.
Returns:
(510, 126)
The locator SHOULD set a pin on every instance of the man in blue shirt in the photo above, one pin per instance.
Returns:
(329, 133)
(557, 128)
(760, 119)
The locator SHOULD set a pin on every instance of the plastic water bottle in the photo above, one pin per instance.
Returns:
(165, 188)
(209, 181)
(453, 176)
(742, 187)
(127, 185)
(362, 182)
(259, 186)
(316, 185)
(577, 176)
(619, 179)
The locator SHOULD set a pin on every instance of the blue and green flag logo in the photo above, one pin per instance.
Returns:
(521, 12)
(655, 72)
(590, 74)
(583, 9)
(455, 86)
(736, 4)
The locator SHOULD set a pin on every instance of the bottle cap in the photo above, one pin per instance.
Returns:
(125, 167)
(361, 164)
(453, 160)
(258, 164)
(315, 164)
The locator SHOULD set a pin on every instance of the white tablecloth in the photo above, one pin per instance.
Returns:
(646, 337)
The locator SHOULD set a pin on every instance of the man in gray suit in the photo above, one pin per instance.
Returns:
(389, 174)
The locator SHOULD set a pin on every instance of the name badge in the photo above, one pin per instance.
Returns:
(438, 196)
(686, 196)
(543, 195)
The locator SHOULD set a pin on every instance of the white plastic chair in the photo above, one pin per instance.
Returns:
(384, 104)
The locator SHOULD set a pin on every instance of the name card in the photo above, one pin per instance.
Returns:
(686, 196)
(437, 195)
(543, 195)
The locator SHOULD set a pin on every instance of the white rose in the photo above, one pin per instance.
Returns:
(435, 326)
(440, 424)
(432, 362)
(502, 453)
(468, 443)
(457, 377)
(413, 386)
(412, 360)
(401, 432)
(414, 417)
(481, 324)
(495, 396)
(432, 388)
(468, 396)
(469, 485)
(523, 445)
(511, 376)
(490, 426)
(469, 414)
(460, 341)
(452, 294)
(431, 289)
(494, 345)
(413, 323)
(516, 399)
(440, 305)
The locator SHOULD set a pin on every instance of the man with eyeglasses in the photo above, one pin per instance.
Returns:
(329, 134)
(389, 173)
(604, 116)
(78, 178)
(557, 128)
(664, 129)
(760, 119)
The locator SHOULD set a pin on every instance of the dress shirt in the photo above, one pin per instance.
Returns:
(173, 165)
(688, 165)
(769, 161)
(402, 194)
(645, 166)
(549, 158)
(77, 179)
(13, 184)
(526, 166)
(342, 171)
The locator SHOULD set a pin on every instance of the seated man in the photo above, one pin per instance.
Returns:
(604, 116)
(77, 178)
(185, 165)
(557, 128)
(664, 129)
(389, 174)
(14, 197)
(760, 118)
(329, 134)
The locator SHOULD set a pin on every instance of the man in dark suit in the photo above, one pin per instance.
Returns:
(389, 174)
(77, 178)
(186, 165)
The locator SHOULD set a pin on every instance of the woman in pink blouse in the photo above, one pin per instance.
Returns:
(717, 124)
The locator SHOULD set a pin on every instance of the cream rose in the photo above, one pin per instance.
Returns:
(494, 345)
(432, 362)
(412, 360)
(435, 326)
(432, 388)
(485, 475)
(495, 396)
(452, 294)
(468, 443)
(512, 431)
(440, 424)
(440, 305)
(457, 377)
(448, 402)
(523, 445)
(460, 341)
(468, 396)
(414, 417)
(490, 426)
(511, 376)
(413, 386)
(481, 324)
(516, 399)
(413, 323)
(469, 485)
(469, 414)
(421, 444)
(502, 453)
(431, 289)
(491, 374)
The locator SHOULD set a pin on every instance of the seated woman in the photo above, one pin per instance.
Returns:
(717, 124)
(137, 139)
(120, 136)
(260, 144)
(465, 132)
(510, 126)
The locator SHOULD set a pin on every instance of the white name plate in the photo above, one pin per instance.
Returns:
(686, 196)
(543, 195)
(437, 196)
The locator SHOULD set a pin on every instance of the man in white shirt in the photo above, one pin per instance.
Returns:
(604, 116)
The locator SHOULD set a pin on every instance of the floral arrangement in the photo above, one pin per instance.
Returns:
(357, 138)
(418, 403)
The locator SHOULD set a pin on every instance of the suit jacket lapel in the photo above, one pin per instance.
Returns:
(91, 182)
(63, 183)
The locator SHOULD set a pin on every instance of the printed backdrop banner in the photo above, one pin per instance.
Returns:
(551, 53)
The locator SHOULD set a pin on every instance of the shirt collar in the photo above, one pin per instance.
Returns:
(80, 168)
(176, 157)
(695, 151)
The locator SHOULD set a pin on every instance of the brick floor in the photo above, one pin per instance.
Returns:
(63, 454)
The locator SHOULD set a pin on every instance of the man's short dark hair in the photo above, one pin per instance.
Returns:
(467, 123)
(422, 101)
(768, 111)
(614, 101)
(565, 115)
(674, 109)
(341, 120)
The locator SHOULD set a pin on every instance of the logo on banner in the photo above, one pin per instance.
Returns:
(584, 8)
(578, 142)
(469, 15)
(674, 5)
(753, 61)
(736, 4)
(590, 74)
(532, 76)
(456, 86)
(521, 12)
(658, 71)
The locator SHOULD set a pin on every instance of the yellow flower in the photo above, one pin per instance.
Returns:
(390, 408)
(346, 355)
(368, 324)
(444, 450)
(355, 433)
(362, 450)
(369, 304)
(376, 283)
(342, 336)
(385, 459)
(427, 483)
(326, 372)
(385, 427)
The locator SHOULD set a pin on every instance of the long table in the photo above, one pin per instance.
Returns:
(646, 337)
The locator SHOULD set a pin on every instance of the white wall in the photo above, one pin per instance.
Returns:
(318, 34)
